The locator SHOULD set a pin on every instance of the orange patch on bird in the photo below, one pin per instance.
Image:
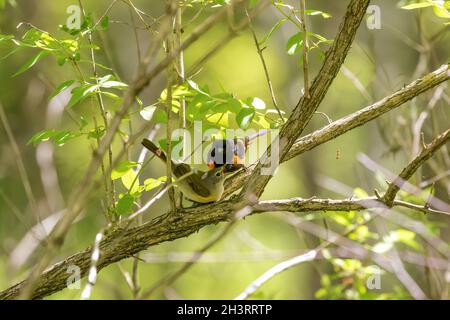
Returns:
(237, 160)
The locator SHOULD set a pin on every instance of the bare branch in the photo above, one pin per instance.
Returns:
(412, 167)
(306, 107)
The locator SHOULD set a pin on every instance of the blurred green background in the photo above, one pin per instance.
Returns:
(381, 59)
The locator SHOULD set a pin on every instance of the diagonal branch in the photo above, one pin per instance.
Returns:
(412, 167)
(161, 229)
(356, 119)
(171, 227)
(81, 194)
(306, 107)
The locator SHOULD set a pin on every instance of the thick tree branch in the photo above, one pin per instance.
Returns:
(54, 279)
(78, 199)
(125, 243)
(122, 243)
(307, 105)
(356, 119)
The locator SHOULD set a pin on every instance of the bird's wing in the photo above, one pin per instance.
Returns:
(195, 180)
(197, 184)
(181, 169)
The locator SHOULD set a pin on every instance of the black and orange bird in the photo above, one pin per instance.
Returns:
(230, 152)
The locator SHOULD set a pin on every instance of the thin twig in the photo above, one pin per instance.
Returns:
(20, 164)
(168, 281)
(412, 167)
(305, 49)
(266, 71)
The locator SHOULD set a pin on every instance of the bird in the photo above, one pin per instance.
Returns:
(230, 153)
(198, 186)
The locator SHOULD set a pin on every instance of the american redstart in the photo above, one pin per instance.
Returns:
(230, 153)
(197, 186)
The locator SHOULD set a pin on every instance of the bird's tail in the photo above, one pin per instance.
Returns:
(154, 149)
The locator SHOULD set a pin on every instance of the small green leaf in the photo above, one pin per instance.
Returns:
(31, 62)
(130, 181)
(61, 137)
(125, 204)
(80, 93)
(114, 85)
(244, 118)
(96, 133)
(234, 105)
(104, 23)
(275, 27)
(151, 183)
(63, 86)
(58, 137)
(257, 103)
(41, 136)
(294, 44)
(122, 168)
(441, 12)
(417, 5)
(196, 87)
(317, 12)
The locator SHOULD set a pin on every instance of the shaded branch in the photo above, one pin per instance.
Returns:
(308, 105)
(356, 119)
(415, 164)
(79, 197)
(171, 227)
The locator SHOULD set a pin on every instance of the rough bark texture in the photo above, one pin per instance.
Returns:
(124, 243)
(306, 107)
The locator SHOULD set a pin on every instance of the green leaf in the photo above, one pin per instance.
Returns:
(61, 137)
(234, 105)
(31, 62)
(441, 12)
(151, 183)
(275, 27)
(130, 181)
(104, 23)
(96, 133)
(417, 5)
(122, 168)
(257, 103)
(294, 44)
(80, 93)
(114, 85)
(196, 87)
(58, 137)
(125, 204)
(317, 12)
(63, 86)
(41, 136)
(244, 118)
(4, 37)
